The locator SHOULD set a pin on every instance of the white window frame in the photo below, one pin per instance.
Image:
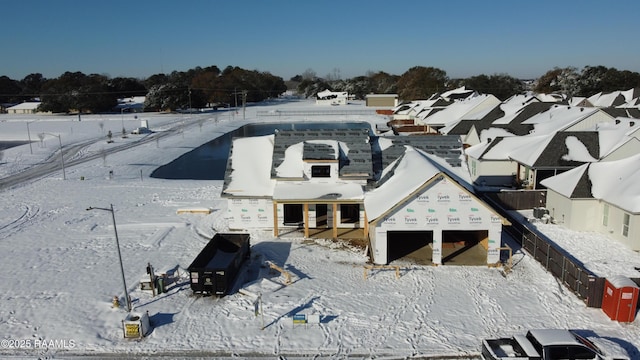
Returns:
(626, 219)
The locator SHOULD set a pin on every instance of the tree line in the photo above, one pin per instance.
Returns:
(202, 87)
(94, 93)
(420, 82)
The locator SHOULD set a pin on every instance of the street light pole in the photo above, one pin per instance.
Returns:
(64, 176)
(115, 230)
(29, 136)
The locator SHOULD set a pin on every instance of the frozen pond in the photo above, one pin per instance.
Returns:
(208, 162)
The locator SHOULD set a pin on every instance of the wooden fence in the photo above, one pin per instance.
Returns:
(519, 199)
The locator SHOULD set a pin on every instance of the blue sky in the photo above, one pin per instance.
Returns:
(139, 38)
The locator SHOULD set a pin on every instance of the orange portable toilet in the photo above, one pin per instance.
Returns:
(620, 298)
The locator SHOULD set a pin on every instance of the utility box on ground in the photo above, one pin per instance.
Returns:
(136, 325)
(214, 270)
(620, 299)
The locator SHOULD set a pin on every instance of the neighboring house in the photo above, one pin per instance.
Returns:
(602, 197)
(489, 163)
(471, 130)
(409, 111)
(613, 99)
(330, 180)
(327, 97)
(24, 108)
(456, 94)
(471, 108)
(492, 162)
(567, 118)
(381, 100)
(548, 155)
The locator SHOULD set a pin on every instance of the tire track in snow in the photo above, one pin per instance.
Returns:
(28, 213)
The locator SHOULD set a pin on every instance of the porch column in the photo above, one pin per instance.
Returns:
(275, 219)
(437, 247)
(306, 219)
(366, 226)
(335, 220)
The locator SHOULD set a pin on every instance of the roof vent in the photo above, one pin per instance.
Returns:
(488, 140)
(581, 109)
(631, 123)
(617, 121)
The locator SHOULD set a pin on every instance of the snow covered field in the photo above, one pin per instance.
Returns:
(60, 268)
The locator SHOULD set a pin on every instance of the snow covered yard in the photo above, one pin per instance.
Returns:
(61, 271)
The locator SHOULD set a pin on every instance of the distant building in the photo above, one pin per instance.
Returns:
(382, 100)
(327, 97)
(24, 108)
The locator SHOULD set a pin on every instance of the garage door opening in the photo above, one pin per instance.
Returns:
(460, 247)
(413, 246)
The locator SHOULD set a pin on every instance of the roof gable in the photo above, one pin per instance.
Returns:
(614, 182)
(570, 149)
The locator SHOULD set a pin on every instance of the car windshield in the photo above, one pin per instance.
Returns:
(587, 343)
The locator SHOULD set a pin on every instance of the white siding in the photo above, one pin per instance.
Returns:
(442, 206)
(616, 216)
(590, 122)
(577, 214)
(630, 148)
(495, 173)
(250, 214)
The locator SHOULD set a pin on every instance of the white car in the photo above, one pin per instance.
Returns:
(141, 130)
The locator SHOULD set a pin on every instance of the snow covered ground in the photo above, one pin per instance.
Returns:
(60, 267)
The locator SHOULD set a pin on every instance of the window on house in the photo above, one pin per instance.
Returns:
(321, 171)
(625, 225)
(605, 215)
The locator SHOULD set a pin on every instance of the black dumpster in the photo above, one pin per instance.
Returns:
(214, 270)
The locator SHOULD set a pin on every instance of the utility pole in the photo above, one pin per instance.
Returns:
(244, 103)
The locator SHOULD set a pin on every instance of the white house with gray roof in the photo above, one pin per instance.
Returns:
(602, 197)
(338, 182)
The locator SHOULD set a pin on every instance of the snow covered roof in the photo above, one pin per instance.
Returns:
(612, 181)
(562, 149)
(351, 147)
(25, 106)
(558, 117)
(528, 148)
(326, 93)
(551, 97)
(499, 148)
(411, 172)
(249, 167)
(304, 190)
(472, 108)
(461, 92)
(613, 135)
(607, 100)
